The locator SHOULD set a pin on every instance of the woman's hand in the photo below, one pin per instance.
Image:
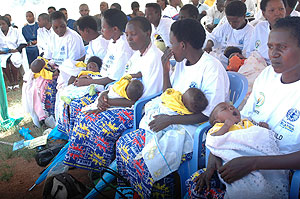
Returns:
(237, 168)
(82, 82)
(96, 112)
(103, 102)
(165, 59)
(160, 122)
(204, 180)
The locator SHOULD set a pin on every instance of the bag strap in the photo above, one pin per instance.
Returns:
(69, 182)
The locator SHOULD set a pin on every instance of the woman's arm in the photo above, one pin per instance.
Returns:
(242, 166)
(162, 121)
(86, 82)
(165, 59)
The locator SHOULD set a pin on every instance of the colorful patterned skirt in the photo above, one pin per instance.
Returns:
(135, 170)
(70, 112)
(50, 96)
(93, 138)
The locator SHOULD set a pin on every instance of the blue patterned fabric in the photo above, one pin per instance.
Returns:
(93, 138)
(50, 97)
(135, 170)
(70, 112)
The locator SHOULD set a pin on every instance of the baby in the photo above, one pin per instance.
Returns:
(126, 87)
(235, 58)
(192, 101)
(40, 67)
(92, 71)
(231, 137)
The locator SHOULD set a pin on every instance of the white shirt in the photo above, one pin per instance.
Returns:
(13, 38)
(208, 75)
(224, 36)
(97, 47)
(69, 46)
(295, 13)
(163, 29)
(170, 12)
(250, 4)
(43, 38)
(149, 64)
(213, 15)
(259, 40)
(115, 60)
(278, 105)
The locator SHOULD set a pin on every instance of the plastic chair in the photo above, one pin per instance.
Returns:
(295, 185)
(138, 114)
(238, 90)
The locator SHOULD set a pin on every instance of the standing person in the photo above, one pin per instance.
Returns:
(161, 25)
(44, 32)
(11, 44)
(30, 34)
(103, 8)
(114, 64)
(101, 130)
(135, 7)
(83, 11)
(281, 112)
(194, 68)
(272, 10)
(51, 9)
(70, 22)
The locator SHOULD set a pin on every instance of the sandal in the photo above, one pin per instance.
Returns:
(9, 87)
(15, 87)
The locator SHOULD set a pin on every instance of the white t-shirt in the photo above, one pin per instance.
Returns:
(259, 40)
(163, 29)
(295, 13)
(149, 64)
(213, 15)
(250, 4)
(224, 36)
(208, 75)
(97, 47)
(43, 38)
(115, 60)
(69, 46)
(170, 12)
(278, 105)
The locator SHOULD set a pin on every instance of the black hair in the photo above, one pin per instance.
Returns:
(87, 22)
(144, 23)
(114, 17)
(192, 10)
(231, 49)
(6, 20)
(236, 9)
(291, 3)
(45, 16)
(155, 6)
(51, 7)
(292, 24)
(199, 100)
(116, 6)
(263, 4)
(134, 90)
(189, 30)
(134, 5)
(30, 12)
(7, 15)
(37, 65)
(97, 60)
(57, 15)
(62, 9)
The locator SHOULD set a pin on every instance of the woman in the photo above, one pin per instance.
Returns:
(194, 68)
(92, 141)
(272, 10)
(117, 55)
(281, 113)
(29, 32)
(11, 44)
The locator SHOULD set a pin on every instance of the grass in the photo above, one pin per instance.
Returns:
(12, 135)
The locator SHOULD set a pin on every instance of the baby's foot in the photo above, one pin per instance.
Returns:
(66, 99)
(92, 90)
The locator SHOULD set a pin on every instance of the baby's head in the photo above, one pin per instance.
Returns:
(94, 64)
(231, 51)
(224, 111)
(37, 65)
(134, 89)
(194, 100)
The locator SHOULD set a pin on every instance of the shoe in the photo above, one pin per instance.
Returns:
(15, 87)
(9, 87)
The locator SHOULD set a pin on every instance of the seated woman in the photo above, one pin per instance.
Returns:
(11, 44)
(194, 68)
(117, 55)
(93, 138)
(281, 112)
(272, 10)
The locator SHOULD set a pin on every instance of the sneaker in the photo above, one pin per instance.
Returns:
(50, 122)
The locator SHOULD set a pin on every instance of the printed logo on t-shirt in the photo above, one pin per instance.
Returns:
(257, 44)
(241, 42)
(260, 100)
(193, 85)
(62, 50)
(291, 116)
